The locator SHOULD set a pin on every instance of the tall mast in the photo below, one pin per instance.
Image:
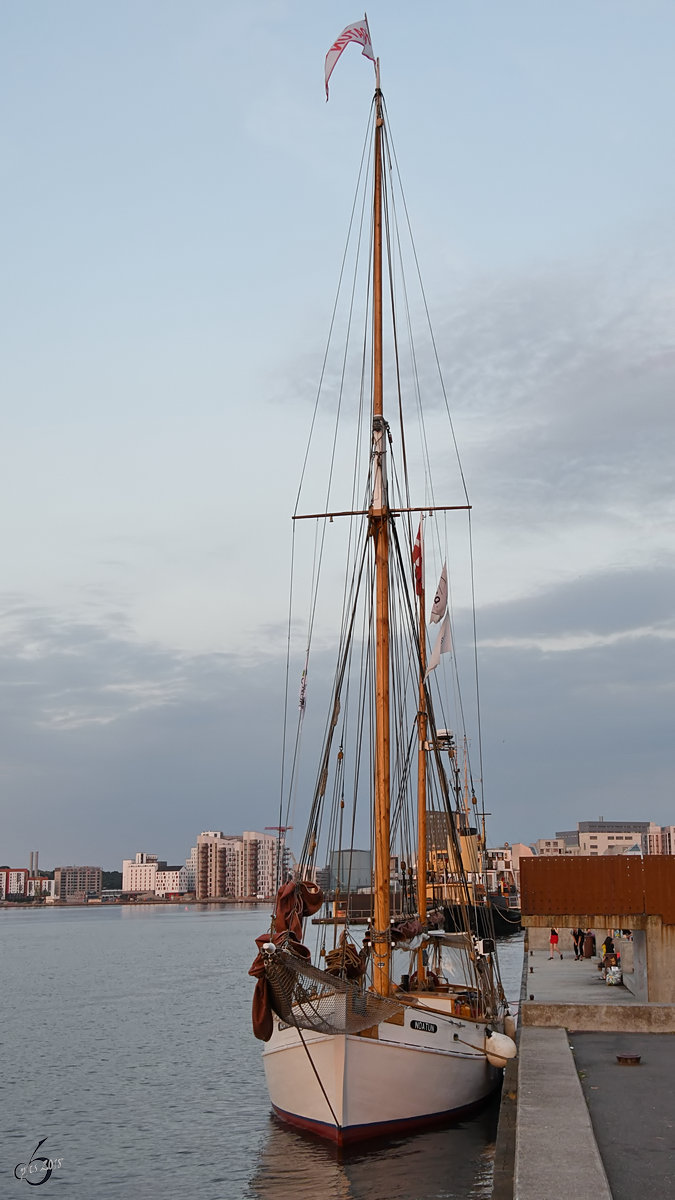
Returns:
(422, 777)
(379, 518)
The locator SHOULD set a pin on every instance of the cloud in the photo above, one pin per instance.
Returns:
(602, 607)
(109, 744)
(578, 687)
(565, 380)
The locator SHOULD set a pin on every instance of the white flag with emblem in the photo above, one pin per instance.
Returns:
(441, 598)
(443, 645)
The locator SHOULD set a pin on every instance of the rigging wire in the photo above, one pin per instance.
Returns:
(444, 791)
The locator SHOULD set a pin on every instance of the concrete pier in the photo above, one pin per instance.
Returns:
(574, 1123)
(557, 1156)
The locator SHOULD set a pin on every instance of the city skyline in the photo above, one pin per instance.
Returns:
(582, 834)
(171, 249)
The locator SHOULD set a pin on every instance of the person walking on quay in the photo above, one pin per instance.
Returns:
(578, 935)
(553, 943)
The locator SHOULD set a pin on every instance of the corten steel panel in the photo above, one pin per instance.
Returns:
(659, 875)
(558, 886)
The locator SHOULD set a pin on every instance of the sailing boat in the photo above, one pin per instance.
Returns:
(401, 1023)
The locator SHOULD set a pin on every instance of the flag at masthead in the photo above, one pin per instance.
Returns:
(358, 32)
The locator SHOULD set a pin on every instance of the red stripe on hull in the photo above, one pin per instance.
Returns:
(364, 1133)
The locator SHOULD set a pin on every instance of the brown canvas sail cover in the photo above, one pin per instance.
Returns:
(305, 996)
(295, 901)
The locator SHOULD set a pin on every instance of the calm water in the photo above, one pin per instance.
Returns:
(125, 1041)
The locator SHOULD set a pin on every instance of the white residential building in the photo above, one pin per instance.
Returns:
(13, 881)
(191, 868)
(598, 837)
(41, 887)
(139, 873)
(17, 882)
(171, 882)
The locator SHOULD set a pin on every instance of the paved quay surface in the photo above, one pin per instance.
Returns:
(586, 1128)
(557, 1156)
(572, 994)
(566, 981)
(632, 1109)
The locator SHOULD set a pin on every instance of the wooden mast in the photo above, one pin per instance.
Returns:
(379, 519)
(422, 773)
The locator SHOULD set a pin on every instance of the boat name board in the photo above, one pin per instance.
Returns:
(425, 1026)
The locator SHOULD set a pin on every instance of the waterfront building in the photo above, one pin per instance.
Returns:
(259, 864)
(139, 873)
(598, 837)
(502, 864)
(554, 845)
(668, 839)
(602, 837)
(76, 884)
(216, 865)
(191, 869)
(171, 882)
(41, 887)
(16, 881)
(13, 882)
(659, 839)
(242, 866)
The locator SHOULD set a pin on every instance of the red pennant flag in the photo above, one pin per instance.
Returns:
(417, 561)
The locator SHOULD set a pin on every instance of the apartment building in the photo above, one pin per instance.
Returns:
(242, 866)
(13, 881)
(659, 839)
(139, 874)
(171, 882)
(604, 837)
(547, 846)
(40, 887)
(18, 882)
(191, 870)
(217, 867)
(76, 884)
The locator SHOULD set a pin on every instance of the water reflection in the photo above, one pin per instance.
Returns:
(444, 1164)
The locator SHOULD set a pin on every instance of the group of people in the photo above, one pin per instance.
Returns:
(578, 938)
(609, 954)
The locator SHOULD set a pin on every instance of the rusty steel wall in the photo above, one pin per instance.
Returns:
(660, 886)
(611, 884)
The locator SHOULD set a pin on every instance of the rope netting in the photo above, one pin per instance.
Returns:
(309, 998)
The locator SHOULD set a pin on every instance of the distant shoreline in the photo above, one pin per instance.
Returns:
(61, 904)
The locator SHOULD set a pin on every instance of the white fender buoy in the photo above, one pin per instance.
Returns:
(510, 1027)
(499, 1049)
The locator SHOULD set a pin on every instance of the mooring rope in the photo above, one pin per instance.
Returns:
(318, 1079)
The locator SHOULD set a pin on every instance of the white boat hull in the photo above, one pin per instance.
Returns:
(349, 1087)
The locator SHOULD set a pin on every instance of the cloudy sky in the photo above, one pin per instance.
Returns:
(175, 197)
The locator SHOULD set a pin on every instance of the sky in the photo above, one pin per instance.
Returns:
(175, 198)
